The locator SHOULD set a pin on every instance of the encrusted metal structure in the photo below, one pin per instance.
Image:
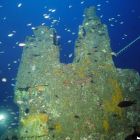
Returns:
(89, 99)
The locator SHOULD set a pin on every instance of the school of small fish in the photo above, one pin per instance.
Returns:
(49, 16)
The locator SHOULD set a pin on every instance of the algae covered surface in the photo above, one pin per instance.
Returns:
(80, 100)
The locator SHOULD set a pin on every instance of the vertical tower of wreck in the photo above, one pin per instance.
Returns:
(84, 100)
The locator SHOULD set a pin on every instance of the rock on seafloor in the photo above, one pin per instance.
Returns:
(89, 99)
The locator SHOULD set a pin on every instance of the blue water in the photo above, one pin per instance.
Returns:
(121, 16)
